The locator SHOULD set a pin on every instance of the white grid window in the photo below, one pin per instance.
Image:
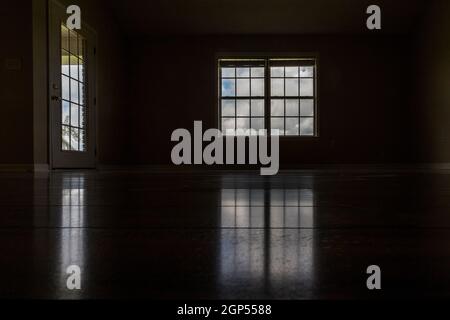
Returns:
(268, 94)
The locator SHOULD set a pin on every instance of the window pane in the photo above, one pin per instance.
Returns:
(292, 72)
(277, 107)
(243, 72)
(292, 87)
(292, 107)
(258, 108)
(228, 88)
(257, 87)
(292, 126)
(278, 123)
(306, 72)
(277, 71)
(228, 72)
(258, 72)
(307, 107)
(277, 87)
(65, 116)
(306, 126)
(243, 108)
(243, 87)
(257, 124)
(228, 124)
(306, 87)
(228, 109)
(74, 115)
(243, 124)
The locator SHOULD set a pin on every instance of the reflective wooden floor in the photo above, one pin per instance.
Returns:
(210, 235)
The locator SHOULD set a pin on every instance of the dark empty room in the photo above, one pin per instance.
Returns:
(225, 150)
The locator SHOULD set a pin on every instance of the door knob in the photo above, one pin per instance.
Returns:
(56, 98)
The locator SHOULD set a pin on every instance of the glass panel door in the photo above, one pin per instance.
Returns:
(73, 86)
(72, 90)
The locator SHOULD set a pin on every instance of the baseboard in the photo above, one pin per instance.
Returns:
(41, 167)
(38, 167)
(16, 168)
(307, 167)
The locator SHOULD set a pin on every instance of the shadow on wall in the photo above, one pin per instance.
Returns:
(432, 75)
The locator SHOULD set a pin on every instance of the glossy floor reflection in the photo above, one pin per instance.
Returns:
(208, 235)
(275, 256)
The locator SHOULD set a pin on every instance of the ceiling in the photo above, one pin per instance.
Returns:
(207, 17)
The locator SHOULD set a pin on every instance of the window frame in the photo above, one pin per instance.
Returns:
(246, 58)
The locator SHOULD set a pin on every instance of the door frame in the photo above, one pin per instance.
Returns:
(92, 86)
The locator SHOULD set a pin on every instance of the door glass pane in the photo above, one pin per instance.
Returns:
(65, 132)
(82, 139)
(64, 38)
(81, 70)
(81, 93)
(73, 85)
(74, 67)
(74, 96)
(74, 113)
(74, 138)
(65, 89)
(82, 117)
(65, 63)
(73, 42)
(65, 112)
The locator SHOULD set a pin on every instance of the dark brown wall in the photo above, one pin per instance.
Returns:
(364, 87)
(432, 91)
(16, 98)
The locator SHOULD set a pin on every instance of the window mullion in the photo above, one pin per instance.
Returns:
(284, 102)
(267, 103)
